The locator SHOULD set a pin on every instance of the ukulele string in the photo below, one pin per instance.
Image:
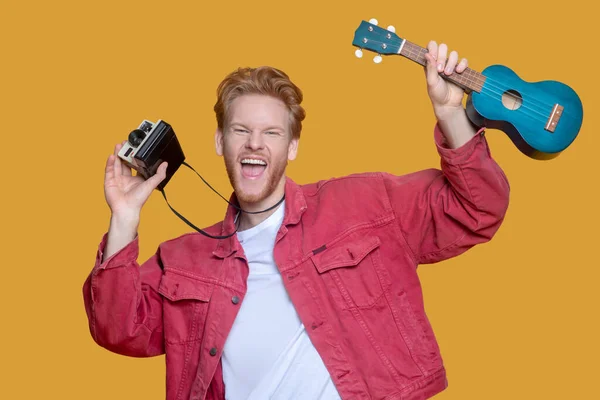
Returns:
(487, 79)
(534, 102)
(516, 98)
(533, 113)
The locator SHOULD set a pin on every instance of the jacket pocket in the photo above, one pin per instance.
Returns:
(185, 306)
(349, 271)
(418, 338)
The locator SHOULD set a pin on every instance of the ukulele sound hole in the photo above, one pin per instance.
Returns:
(512, 99)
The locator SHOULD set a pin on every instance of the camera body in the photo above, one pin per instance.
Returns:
(150, 145)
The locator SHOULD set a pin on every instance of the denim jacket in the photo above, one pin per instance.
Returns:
(348, 251)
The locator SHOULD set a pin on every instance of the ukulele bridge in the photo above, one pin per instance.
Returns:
(557, 111)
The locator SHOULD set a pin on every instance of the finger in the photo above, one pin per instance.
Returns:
(157, 178)
(462, 65)
(125, 170)
(117, 170)
(441, 56)
(451, 64)
(117, 162)
(109, 168)
(431, 72)
(432, 48)
(430, 57)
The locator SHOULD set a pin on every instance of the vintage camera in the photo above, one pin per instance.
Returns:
(148, 146)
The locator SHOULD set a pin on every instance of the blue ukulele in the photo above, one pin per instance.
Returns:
(541, 118)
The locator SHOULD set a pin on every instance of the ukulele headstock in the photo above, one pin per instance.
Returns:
(371, 37)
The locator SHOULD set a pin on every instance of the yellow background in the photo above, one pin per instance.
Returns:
(516, 318)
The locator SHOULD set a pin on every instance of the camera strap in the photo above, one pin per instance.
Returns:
(237, 225)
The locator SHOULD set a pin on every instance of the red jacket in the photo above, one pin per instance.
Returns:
(348, 251)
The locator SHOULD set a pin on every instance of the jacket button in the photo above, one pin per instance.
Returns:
(235, 299)
(213, 351)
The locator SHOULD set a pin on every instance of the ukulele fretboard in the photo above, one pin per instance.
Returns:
(469, 79)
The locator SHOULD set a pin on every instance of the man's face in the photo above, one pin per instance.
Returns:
(256, 144)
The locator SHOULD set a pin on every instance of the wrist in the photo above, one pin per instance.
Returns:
(449, 114)
(122, 231)
(456, 128)
(128, 220)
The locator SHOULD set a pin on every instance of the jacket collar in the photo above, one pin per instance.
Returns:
(295, 205)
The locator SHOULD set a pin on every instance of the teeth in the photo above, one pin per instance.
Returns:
(252, 161)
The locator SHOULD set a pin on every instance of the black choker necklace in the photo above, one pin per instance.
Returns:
(233, 205)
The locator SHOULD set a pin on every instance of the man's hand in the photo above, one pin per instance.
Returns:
(446, 97)
(125, 195)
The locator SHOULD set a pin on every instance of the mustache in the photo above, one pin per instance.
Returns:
(253, 155)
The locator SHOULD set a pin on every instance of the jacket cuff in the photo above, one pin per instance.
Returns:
(122, 257)
(460, 154)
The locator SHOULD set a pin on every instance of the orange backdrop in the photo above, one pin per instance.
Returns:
(516, 318)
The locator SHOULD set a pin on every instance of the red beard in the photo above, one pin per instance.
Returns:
(274, 171)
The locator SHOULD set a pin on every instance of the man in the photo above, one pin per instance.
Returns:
(317, 298)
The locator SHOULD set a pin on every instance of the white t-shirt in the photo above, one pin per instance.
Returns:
(268, 354)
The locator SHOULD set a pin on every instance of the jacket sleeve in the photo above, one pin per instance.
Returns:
(122, 302)
(444, 212)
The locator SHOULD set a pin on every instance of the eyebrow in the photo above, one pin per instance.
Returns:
(266, 129)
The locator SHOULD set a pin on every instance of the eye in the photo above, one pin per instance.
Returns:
(240, 130)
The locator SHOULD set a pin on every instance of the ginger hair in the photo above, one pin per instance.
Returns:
(264, 80)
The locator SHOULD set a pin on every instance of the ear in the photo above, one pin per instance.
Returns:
(219, 142)
(293, 149)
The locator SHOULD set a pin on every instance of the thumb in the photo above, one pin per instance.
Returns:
(158, 177)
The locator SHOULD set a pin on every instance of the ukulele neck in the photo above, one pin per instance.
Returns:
(469, 79)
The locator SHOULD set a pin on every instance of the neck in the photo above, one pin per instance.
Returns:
(469, 79)
(248, 221)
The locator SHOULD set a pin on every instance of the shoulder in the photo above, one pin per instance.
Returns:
(352, 182)
(190, 246)
(367, 182)
(354, 198)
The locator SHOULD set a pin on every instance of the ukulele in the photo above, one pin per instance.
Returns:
(541, 118)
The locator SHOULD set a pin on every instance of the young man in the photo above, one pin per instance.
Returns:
(317, 298)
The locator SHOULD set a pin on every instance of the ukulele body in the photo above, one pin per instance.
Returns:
(525, 111)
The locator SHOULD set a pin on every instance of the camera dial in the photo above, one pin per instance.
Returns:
(136, 137)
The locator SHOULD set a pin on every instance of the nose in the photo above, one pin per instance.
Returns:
(255, 141)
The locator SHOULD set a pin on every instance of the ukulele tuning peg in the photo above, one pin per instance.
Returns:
(373, 21)
(391, 29)
(377, 59)
(358, 53)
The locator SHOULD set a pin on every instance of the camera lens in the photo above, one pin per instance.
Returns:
(136, 137)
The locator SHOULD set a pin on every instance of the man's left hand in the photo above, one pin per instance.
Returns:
(446, 97)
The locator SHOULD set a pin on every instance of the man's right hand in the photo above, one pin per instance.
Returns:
(126, 194)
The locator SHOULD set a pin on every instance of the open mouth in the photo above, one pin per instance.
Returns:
(253, 168)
